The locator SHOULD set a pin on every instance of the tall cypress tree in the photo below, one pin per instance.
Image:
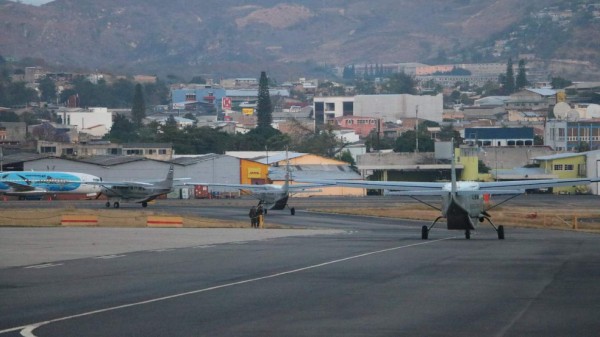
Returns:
(264, 108)
(521, 81)
(509, 80)
(138, 110)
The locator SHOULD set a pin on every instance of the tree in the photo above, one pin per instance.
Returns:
(264, 108)
(323, 143)
(198, 80)
(18, 94)
(448, 133)
(122, 130)
(509, 79)
(364, 87)
(48, 90)
(9, 116)
(347, 157)
(138, 110)
(407, 142)
(560, 83)
(400, 83)
(521, 81)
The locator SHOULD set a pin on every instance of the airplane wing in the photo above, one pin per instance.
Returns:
(118, 183)
(533, 184)
(250, 187)
(382, 185)
(435, 188)
(305, 187)
(20, 187)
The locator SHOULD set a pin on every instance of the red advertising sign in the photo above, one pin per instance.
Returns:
(226, 103)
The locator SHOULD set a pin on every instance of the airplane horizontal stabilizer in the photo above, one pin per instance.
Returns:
(493, 192)
(306, 191)
(416, 193)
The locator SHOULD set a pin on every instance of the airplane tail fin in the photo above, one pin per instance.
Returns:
(288, 173)
(453, 171)
(168, 182)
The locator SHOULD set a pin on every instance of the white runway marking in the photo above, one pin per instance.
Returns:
(106, 257)
(27, 330)
(203, 246)
(45, 265)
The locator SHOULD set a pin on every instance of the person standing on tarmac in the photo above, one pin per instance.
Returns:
(253, 217)
(259, 216)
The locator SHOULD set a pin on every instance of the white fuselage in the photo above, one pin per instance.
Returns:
(470, 202)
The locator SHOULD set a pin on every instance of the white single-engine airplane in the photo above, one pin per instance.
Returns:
(270, 196)
(462, 201)
(39, 183)
(136, 191)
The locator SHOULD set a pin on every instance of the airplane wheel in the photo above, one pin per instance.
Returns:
(265, 211)
(424, 233)
(144, 204)
(107, 204)
(116, 204)
(500, 232)
(467, 234)
(293, 211)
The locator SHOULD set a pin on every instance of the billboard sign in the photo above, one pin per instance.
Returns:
(226, 103)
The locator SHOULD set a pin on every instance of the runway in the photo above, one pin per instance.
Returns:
(362, 276)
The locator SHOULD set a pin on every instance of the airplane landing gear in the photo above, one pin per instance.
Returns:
(499, 229)
(107, 204)
(425, 230)
(467, 234)
(116, 204)
(292, 211)
(144, 204)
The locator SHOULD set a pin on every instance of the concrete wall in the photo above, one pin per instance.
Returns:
(392, 108)
(504, 158)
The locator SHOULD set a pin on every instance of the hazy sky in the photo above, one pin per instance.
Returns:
(33, 2)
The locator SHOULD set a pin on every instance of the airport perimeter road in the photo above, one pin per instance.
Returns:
(375, 279)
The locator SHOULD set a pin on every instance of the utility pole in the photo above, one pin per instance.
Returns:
(417, 129)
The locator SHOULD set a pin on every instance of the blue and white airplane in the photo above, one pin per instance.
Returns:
(39, 183)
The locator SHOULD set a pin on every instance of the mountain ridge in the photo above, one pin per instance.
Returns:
(236, 38)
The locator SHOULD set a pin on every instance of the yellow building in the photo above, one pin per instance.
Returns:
(565, 165)
(310, 166)
(253, 172)
(467, 157)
